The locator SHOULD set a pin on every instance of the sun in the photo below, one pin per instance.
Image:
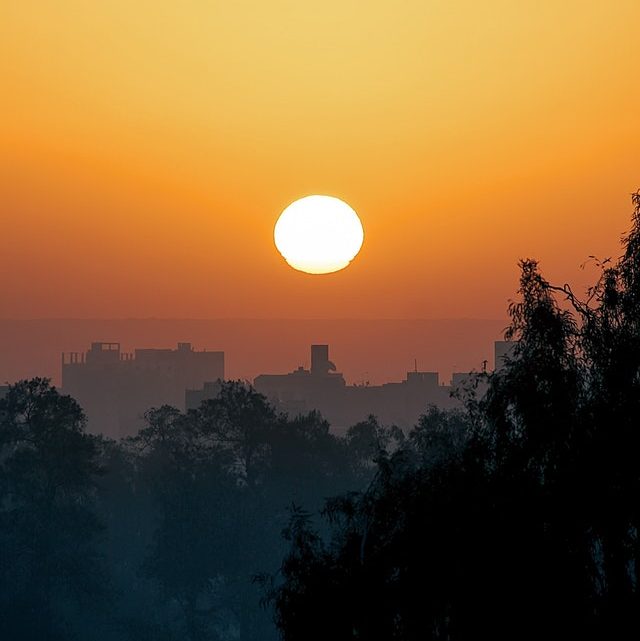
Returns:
(318, 234)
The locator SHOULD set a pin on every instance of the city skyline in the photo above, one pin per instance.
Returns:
(117, 388)
(253, 347)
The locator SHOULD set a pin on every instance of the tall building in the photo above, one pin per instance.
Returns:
(116, 388)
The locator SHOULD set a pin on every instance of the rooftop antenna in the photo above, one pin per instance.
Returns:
(415, 364)
(484, 366)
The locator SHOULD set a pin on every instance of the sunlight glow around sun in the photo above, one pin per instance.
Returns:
(318, 234)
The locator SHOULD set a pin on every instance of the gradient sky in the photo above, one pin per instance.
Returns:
(147, 149)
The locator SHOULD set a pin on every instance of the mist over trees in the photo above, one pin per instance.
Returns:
(160, 536)
(516, 517)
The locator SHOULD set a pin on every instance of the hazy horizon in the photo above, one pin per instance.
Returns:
(374, 350)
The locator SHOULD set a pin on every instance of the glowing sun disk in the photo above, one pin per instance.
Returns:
(318, 234)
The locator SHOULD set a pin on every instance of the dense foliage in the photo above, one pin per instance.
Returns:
(160, 536)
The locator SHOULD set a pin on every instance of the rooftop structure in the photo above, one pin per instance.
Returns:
(115, 388)
(323, 389)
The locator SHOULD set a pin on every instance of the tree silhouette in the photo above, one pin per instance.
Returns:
(240, 419)
(180, 467)
(48, 528)
(220, 478)
(516, 519)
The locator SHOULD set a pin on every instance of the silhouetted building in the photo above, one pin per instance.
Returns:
(320, 363)
(463, 383)
(3, 390)
(502, 350)
(193, 398)
(303, 390)
(116, 388)
(323, 389)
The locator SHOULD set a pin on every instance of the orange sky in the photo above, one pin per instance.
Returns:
(147, 149)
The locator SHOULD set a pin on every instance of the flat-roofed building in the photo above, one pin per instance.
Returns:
(116, 388)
